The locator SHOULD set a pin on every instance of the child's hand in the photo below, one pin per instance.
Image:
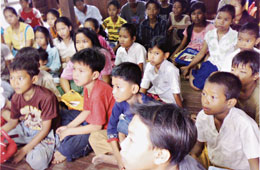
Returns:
(20, 154)
(64, 133)
(185, 71)
(60, 129)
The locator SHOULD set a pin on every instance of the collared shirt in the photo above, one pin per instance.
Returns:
(92, 12)
(165, 82)
(218, 49)
(146, 32)
(53, 59)
(235, 142)
(113, 28)
(135, 54)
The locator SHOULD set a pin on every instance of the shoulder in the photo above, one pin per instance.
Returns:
(170, 67)
(102, 88)
(209, 26)
(121, 20)
(240, 118)
(232, 32)
(107, 20)
(140, 4)
(93, 7)
(46, 94)
(139, 46)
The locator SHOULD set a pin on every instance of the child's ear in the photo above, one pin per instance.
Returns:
(70, 28)
(166, 55)
(232, 102)
(161, 156)
(256, 76)
(134, 38)
(95, 75)
(35, 79)
(135, 88)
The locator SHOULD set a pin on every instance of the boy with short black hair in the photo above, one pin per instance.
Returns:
(232, 137)
(245, 65)
(35, 107)
(160, 138)
(97, 108)
(43, 58)
(126, 79)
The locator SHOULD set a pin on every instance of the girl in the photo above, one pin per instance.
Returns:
(197, 30)
(130, 51)
(178, 21)
(44, 41)
(30, 15)
(64, 42)
(52, 15)
(18, 34)
(86, 38)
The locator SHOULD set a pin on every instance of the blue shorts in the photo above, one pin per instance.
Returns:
(123, 123)
(203, 73)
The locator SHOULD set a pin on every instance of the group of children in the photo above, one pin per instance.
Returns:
(138, 123)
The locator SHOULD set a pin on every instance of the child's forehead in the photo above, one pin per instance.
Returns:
(245, 66)
(121, 79)
(247, 33)
(150, 5)
(19, 72)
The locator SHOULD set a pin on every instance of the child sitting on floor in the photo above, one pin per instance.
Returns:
(161, 74)
(126, 78)
(232, 137)
(52, 15)
(98, 103)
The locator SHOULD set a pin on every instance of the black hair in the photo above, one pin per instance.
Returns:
(46, 33)
(245, 57)
(129, 72)
(161, 43)
(75, 1)
(54, 12)
(67, 22)
(199, 5)
(130, 28)
(30, 3)
(90, 57)
(250, 27)
(169, 127)
(242, 2)
(97, 25)
(183, 4)
(229, 9)
(231, 83)
(157, 4)
(115, 3)
(43, 55)
(25, 61)
(91, 34)
(11, 9)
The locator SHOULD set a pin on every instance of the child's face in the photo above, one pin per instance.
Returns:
(40, 39)
(80, 5)
(156, 56)
(125, 39)
(21, 81)
(82, 74)
(63, 30)
(244, 73)
(152, 11)
(223, 21)
(136, 150)
(197, 16)
(43, 62)
(51, 19)
(90, 25)
(246, 41)
(112, 11)
(83, 42)
(11, 18)
(122, 90)
(24, 4)
(213, 99)
(177, 9)
(237, 5)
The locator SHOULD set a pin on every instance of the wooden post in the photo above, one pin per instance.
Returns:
(67, 9)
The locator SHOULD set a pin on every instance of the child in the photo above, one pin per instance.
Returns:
(153, 25)
(245, 65)
(44, 41)
(247, 38)
(52, 15)
(18, 34)
(178, 21)
(35, 107)
(219, 42)
(126, 78)
(161, 74)
(64, 43)
(232, 137)
(85, 38)
(43, 59)
(113, 23)
(29, 14)
(6, 58)
(194, 34)
(160, 137)
(165, 9)
(130, 51)
(98, 103)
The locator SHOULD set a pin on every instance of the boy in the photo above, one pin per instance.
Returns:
(126, 78)
(248, 36)
(153, 25)
(162, 74)
(160, 138)
(245, 65)
(35, 107)
(219, 42)
(113, 22)
(98, 103)
(232, 137)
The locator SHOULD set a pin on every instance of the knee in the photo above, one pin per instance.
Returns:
(37, 160)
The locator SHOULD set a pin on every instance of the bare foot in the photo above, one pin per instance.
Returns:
(109, 159)
(58, 158)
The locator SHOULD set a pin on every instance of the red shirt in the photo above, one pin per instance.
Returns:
(32, 18)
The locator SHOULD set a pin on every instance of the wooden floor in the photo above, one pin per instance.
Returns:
(191, 102)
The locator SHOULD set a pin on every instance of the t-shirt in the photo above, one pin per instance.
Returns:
(99, 103)
(32, 18)
(92, 12)
(105, 45)
(164, 12)
(6, 55)
(188, 163)
(42, 106)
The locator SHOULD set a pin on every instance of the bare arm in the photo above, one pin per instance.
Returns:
(79, 119)
(29, 43)
(65, 85)
(254, 163)
(10, 125)
(116, 152)
(177, 98)
(141, 66)
(181, 46)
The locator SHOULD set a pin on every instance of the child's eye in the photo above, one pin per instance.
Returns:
(203, 94)
(20, 78)
(213, 97)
